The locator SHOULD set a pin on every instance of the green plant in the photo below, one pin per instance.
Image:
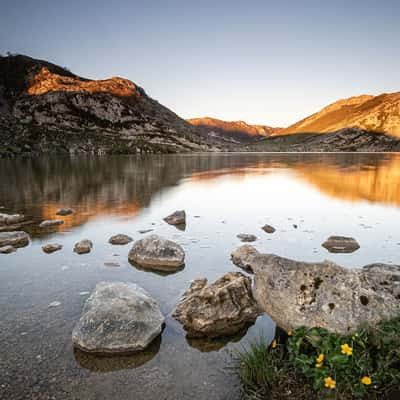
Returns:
(365, 364)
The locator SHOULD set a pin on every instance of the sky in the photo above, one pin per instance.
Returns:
(267, 62)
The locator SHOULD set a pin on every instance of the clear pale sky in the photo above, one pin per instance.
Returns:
(271, 62)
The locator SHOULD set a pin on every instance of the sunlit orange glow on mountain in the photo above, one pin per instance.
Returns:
(45, 81)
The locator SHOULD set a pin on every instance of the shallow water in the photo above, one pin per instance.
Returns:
(354, 195)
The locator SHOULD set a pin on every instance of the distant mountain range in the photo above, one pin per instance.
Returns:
(231, 131)
(45, 108)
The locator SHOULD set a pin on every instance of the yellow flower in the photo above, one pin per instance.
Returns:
(290, 333)
(274, 344)
(330, 383)
(346, 349)
(366, 380)
(320, 358)
(318, 365)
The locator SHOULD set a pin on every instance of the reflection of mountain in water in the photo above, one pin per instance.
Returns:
(123, 185)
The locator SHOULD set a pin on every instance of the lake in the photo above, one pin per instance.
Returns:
(306, 197)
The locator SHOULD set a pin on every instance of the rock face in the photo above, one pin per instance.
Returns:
(120, 239)
(341, 244)
(176, 218)
(155, 252)
(11, 219)
(268, 229)
(220, 309)
(118, 317)
(324, 294)
(51, 222)
(245, 237)
(51, 247)
(7, 249)
(83, 246)
(64, 211)
(78, 115)
(15, 239)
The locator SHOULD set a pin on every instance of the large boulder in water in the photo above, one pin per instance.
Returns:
(155, 252)
(220, 309)
(323, 294)
(15, 239)
(118, 317)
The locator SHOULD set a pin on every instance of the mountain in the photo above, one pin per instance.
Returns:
(46, 108)
(371, 113)
(231, 131)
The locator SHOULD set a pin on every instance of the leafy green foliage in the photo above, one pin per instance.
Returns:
(363, 365)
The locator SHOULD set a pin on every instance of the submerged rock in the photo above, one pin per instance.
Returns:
(51, 247)
(51, 222)
(64, 211)
(341, 244)
(11, 219)
(268, 228)
(118, 317)
(157, 253)
(83, 246)
(7, 249)
(324, 294)
(120, 239)
(220, 309)
(245, 237)
(176, 218)
(15, 239)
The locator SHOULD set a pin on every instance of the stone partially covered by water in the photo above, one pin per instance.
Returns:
(155, 252)
(11, 219)
(120, 239)
(243, 256)
(341, 244)
(50, 223)
(15, 239)
(324, 294)
(64, 211)
(219, 309)
(118, 317)
(84, 246)
(51, 247)
(176, 218)
(268, 228)
(246, 237)
(7, 249)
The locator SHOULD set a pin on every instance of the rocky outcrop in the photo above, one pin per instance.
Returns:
(84, 246)
(118, 317)
(15, 239)
(155, 252)
(120, 239)
(51, 110)
(176, 218)
(220, 309)
(50, 223)
(51, 247)
(341, 244)
(324, 294)
(243, 256)
(11, 219)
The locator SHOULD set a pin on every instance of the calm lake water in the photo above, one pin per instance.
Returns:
(354, 195)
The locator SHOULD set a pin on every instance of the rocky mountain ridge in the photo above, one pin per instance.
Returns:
(45, 108)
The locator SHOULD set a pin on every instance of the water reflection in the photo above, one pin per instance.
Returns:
(125, 185)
